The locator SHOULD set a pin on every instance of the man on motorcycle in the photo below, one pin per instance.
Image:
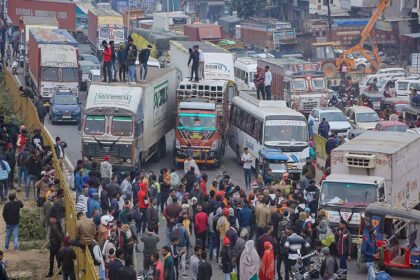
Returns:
(333, 101)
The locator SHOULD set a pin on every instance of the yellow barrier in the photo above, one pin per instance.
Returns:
(320, 142)
(27, 113)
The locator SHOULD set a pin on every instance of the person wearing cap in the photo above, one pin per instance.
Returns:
(370, 253)
(56, 237)
(226, 258)
(92, 204)
(106, 169)
(222, 226)
(143, 59)
(328, 264)
(67, 256)
(107, 54)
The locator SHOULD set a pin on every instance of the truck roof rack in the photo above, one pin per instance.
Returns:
(250, 96)
(212, 90)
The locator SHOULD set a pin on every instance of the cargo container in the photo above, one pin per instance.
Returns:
(170, 21)
(104, 24)
(267, 34)
(29, 22)
(300, 83)
(64, 11)
(229, 24)
(129, 122)
(53, 62)
(200, 32)
(375, 166)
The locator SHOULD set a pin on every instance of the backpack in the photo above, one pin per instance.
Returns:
(215, 220)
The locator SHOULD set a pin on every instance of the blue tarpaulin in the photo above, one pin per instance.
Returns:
(350, 22)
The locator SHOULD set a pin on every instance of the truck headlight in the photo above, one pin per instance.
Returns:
(177, 144)
(215, 145)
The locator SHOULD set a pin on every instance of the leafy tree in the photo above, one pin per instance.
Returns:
(249, 8)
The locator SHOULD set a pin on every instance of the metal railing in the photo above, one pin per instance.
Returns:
(27, 113)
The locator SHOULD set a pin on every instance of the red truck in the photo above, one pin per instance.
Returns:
(199, 32)
(64, 11)
(53, 62)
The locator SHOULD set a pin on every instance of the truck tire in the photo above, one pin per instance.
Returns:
(329, 69)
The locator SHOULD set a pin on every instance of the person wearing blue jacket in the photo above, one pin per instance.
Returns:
(324, 128)
(92, 204)
(4, 176)
(369, 252)
(122, 62)
(78, 182)
(245, 217)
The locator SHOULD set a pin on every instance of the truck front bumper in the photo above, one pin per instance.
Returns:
(201, 156)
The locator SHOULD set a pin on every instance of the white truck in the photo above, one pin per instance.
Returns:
(129, 122)
(218, 62)
(375, 166)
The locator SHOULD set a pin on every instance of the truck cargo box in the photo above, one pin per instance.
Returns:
(199, 32)
(31, 22)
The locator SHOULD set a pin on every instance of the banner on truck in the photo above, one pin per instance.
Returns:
(218, 66)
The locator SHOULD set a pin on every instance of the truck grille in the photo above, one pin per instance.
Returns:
(309, 105)
(360, 160)
(115, 151)
(206, 91)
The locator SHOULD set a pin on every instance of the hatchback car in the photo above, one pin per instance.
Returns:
(65, 107)
(362, 117)
(391, 126)
(335, 118)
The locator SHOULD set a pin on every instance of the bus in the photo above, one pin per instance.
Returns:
(258, 124)
(245, 69)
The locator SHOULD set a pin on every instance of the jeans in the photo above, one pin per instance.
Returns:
(54, 254)
(288, 270)
(114, 68)
(227, 276)
(247, 173)
(69, 275)
(182, 260)
(12, 229)
(212, 243)
(132, 73)
(143, 65)
(107, 71)
(22, 174)
(144, 220)
(194, 70)
(202, 237)
(29, 179)
(4, 189)
(260, 89)
(163, 199)
(267, 92)
(343, 262)
(371, 270)
(122, 70)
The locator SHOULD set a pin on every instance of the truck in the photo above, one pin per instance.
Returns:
(375, 166)
(128, 123)
(53, 62)
(203, 31)
(218, 62)
(202, 121)
(300, 83)
(29, 22)
(170, 21)
(104, 24)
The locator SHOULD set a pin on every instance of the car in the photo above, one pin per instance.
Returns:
(89, 57)
(353, 133)
(392, 71)
(335, 118)
(403, 88)
(94, 76)
(85, 67)
(65, 107)
(361, 117)
(391, 126)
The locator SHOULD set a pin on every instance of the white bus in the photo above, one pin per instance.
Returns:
(245, 69)
(257, 124)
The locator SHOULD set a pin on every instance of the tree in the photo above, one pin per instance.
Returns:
(249, 8)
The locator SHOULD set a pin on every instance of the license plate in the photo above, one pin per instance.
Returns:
(376, 104)
(196, 154)
(66, 117)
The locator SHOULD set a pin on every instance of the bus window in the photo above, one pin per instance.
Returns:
(250, 125)
(257, 130)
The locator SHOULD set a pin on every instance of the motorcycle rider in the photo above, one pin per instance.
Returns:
(333, 101)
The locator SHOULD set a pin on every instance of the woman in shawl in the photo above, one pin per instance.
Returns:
(267, 265)
(250, 262)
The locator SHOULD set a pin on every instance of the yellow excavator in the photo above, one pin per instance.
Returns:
(368, 32)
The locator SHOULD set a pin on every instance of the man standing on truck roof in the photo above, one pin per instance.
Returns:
(195, 58)
(107, 62)
(113, 59)
(259, 83)
(267, 82)
(144, 58)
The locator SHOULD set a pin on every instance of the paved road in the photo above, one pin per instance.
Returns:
(71, 134)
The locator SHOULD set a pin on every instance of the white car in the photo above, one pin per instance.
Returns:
(362, 117)
(392, 71)
(335, 118)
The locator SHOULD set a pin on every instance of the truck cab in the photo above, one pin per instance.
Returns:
(274, 159)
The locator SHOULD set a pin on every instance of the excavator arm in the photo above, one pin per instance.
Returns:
(368, 31)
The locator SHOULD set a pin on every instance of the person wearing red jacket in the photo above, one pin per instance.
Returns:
(201, 225)
(107, 53)
(143, 203)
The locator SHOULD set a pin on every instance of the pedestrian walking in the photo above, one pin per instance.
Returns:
(247, 160)
(195, 59)
(267, 269)
(195, 261)
(344, 245)
(56, 238)
(168, 264)
(205, 271)
(152, 216)
(226, 258)
(107, 53)
(67, 256)
(143, 59)
(259, 83)
(267, 83)
(11, 215)
(157, 267)
(8, 56)
(150, 241)
(370, 252)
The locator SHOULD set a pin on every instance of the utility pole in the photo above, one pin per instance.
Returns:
(329, 19)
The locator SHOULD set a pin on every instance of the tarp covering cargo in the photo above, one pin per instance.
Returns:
(350, 22)
(158, 39)
(55, 36)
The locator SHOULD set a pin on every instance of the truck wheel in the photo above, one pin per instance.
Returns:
(329, 69)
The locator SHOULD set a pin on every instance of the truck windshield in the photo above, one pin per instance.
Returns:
(299, 84)
(116, 33)
(95, 125)
(285, 131)
(318, 83)
(49, 74)
(122, 126)
(70, 74)
(334, 116)
(347, 194)
(196, 122)
(367, 117)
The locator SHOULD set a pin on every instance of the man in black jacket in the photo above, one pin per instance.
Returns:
(143, 59)
(205, 271)
(115, 265)
(34, 165)
(56, 238)
(11, 212)
(127, 271)
(195, 58)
